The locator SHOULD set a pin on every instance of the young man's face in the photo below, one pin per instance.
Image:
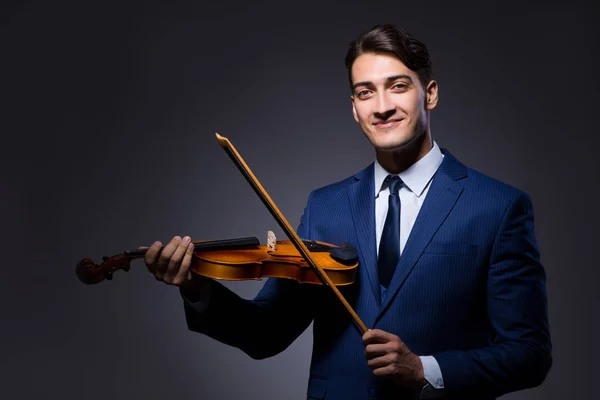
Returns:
(389, 102)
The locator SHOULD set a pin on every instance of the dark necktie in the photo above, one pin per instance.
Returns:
(389, 245)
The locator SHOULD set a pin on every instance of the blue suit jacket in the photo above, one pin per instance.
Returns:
(469, 290)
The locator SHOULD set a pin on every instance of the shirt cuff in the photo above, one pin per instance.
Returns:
(432, 371)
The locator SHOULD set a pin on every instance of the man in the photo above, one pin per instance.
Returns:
(449, 279)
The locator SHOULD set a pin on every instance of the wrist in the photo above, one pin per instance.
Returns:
(420, 375)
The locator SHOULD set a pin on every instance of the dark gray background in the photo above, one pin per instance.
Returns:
(108, 118)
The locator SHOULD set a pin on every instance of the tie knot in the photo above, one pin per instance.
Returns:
(393, 182)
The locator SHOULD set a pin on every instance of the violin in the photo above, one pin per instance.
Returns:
(223, 262)
(243, 259)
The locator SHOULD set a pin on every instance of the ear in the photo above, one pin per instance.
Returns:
(354, 109)
(431, 93)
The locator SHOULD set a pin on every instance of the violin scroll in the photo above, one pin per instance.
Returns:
(91, 273)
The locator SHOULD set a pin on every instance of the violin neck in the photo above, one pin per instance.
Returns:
(212, 245)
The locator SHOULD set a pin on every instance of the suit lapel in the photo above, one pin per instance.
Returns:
(441, 198)
(362, 203)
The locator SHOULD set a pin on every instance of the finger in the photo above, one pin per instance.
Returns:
(381, 362)
(165, 257)
(376, 336)
(376, 350)
(388, 370)
(151, 255)
(184, 271)
(176, 259)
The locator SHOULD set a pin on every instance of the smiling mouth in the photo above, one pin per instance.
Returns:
(391, 123)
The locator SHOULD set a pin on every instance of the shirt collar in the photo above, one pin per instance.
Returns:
(417, 176)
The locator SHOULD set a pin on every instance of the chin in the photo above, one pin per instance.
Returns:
(389, 141)
(392, 144)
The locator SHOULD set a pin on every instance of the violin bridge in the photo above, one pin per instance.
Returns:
(271, 240)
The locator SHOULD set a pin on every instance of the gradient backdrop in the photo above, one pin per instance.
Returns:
(108, 116)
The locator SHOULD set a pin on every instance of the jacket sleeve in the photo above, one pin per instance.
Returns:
(519, 354)
(261, 327)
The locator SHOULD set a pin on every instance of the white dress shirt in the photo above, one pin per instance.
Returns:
(417, 179)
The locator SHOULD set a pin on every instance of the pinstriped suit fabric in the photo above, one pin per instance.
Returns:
(469, 290)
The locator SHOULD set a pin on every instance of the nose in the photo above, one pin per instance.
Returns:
(384, 107)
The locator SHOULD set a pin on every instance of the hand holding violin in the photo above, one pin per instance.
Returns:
(172, 264)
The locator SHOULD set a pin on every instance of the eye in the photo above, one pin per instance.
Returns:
(361, 94)
(400, 87)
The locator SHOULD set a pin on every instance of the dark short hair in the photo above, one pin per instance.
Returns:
(389, 39)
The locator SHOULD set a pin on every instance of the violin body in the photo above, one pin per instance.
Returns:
(265, 262)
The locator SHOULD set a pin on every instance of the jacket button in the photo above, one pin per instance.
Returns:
(372, 391)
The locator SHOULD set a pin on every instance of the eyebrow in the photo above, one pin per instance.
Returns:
(387, 80)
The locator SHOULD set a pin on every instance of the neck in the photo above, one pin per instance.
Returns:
(401, 159)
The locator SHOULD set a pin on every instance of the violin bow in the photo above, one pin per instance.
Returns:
(289, 231)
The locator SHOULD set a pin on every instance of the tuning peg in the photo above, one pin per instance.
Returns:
(125, 267)
(108, 275)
